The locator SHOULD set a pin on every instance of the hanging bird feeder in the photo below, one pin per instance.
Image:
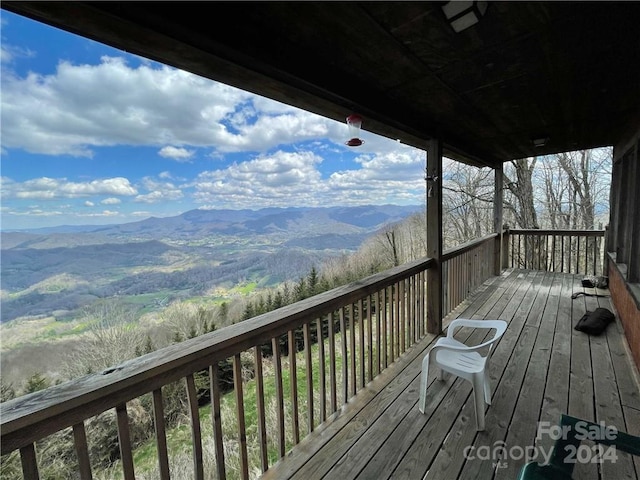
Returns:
(354, 122)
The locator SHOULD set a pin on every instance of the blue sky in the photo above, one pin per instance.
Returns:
(93, 135)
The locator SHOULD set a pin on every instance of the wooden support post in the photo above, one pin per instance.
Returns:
(434, 236)
(497, 220)
(634, 216)
(506, 240)
(615, 219)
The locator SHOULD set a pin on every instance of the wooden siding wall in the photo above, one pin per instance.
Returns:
(624, 238)
(624, 229)
(627, 309)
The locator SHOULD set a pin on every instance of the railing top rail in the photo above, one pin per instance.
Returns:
(465, 247)
(34, 416)
(535, 231)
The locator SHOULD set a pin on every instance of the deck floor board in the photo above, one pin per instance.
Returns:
(541, 368)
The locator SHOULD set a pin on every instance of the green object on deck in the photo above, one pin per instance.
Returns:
(563, 458)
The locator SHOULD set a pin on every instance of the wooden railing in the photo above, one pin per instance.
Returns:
(343, 338)
(567, 251)
(465, 268)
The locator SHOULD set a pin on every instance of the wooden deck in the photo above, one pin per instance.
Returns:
(541, 368)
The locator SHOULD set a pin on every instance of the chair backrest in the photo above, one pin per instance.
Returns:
(500, 327)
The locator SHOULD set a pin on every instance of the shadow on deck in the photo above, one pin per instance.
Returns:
(541, 368)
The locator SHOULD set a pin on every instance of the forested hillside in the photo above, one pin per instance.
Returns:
(56, 273)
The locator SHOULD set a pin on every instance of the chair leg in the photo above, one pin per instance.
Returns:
(424, 377)
(478, 396)
(487, 388)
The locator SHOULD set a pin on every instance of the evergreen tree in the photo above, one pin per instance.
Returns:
(312, 281)
(223, 312)
(249, 311)
(36, 382)
(7, 392)
(300, 291)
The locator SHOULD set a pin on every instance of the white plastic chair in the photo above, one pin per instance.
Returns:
(470, 363)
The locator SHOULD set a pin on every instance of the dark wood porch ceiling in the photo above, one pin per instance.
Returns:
(569, 71)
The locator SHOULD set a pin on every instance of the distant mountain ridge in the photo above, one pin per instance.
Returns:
(288, 223)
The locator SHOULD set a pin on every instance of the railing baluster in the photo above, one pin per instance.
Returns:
(410, 315)
(321, 371)
(383, 321)
(82, 451)
(361, 347)
(29, 462)
(402, 315)
(352, 352)
(446, 288)
(125, 442)
(414, 307)
(216, 419)
(392, 333)
(519, 253)
(196, 434)
(242, 431)
(370, 338)
(293, 382)
(421, 296)
(262, 429)
(396, 317)
(376, 306)
(345, 352)
(594, 242)
(161, 436)
(462, 276)
(277, 363)
(309, 374)
(332, 364)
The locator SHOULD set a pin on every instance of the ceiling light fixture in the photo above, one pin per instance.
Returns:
(354, 122)
(540, 142)
(462, 15)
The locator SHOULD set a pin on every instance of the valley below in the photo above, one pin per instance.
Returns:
(51, 278)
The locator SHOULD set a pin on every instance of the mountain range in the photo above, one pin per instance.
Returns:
(57, 270)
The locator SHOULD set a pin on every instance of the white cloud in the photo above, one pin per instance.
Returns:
(8, 53)
(70, 112)
(104, 213)
(143, 214)
(284, 179)
(177, 154)
(158, 191)
(35, 212)
(89, 204)
(111, 201)
(52, 188)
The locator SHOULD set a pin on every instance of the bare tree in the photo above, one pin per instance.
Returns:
(520, 187)
(467, 203)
